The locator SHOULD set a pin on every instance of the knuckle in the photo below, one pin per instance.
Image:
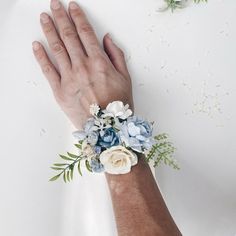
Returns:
(77, 15)
(47, 28)
(68, 32)
(86, 28)
(47, 68)
(60, 14)
(57, 48)
(40, 54)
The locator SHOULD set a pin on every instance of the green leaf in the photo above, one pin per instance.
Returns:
(57, 168)
(64, 177)
(161, 136)
(66, 158)
(72, 155)
(60, 164)
(162, 151)
(79, 146)
(88, 166)
(71, 173)
(79, 170)
(54, 177)
(68, 175)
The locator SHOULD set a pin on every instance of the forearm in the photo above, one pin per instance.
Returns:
(138, 205)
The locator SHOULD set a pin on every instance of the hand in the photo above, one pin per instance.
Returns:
(86, 73)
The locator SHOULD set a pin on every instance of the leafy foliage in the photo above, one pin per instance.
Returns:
(174, 4)
(162, 151)
(67, 169)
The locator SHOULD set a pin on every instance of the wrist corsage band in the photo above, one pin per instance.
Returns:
(110, 142)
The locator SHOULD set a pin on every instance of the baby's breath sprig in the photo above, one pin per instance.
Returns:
(162, 151)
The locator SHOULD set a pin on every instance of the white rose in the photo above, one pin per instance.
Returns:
(87, 150)
(117, 109)
(118, 160)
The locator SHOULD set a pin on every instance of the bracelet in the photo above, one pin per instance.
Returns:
(110, 141)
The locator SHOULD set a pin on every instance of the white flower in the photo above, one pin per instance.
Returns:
(87, 150)
(103, 123)
(94, 109)
(118, 160)
(117, 109)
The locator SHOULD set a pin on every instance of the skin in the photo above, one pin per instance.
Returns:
(86, 73)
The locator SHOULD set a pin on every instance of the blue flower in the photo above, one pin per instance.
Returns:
(89, 132)
(92, 138)
(96, 166)
(97, 149)
(108, 138)
(136, 133)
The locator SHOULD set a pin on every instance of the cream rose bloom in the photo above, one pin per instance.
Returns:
(118, 160)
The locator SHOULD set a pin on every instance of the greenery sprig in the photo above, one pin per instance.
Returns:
(162, 151)
(67, 169)
(174, 4)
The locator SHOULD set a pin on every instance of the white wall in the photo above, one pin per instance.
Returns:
(183, 69)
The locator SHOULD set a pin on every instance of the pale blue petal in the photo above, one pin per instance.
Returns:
(80, 135)
(133, 130)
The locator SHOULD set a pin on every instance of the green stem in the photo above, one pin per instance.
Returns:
(73, 163)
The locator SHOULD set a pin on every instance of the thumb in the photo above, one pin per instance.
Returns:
(116, 55)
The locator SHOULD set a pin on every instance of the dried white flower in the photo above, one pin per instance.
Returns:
(94, 109)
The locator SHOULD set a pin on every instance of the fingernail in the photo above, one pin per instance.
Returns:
(55, 4)
(36, 45)
(73, 5)
(44, 18)
(109, 36)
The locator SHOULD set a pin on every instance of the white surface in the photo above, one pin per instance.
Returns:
(183, 69)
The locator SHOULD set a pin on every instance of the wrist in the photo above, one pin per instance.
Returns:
(122, 183)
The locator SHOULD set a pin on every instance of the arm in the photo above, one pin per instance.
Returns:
(138, 205)
(89, 74)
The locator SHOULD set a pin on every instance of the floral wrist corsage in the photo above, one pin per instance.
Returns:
(110, 142)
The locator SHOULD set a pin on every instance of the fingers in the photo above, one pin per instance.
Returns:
(46, 65)
(56, 45)
(84, 29)
(67, 32)
(116, 56)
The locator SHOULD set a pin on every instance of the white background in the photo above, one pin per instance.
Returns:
(183, 70)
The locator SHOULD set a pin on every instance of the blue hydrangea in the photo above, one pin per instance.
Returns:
(108, 138)
(96, 166)
(90, 132)
(92, 137)
(136, 133)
